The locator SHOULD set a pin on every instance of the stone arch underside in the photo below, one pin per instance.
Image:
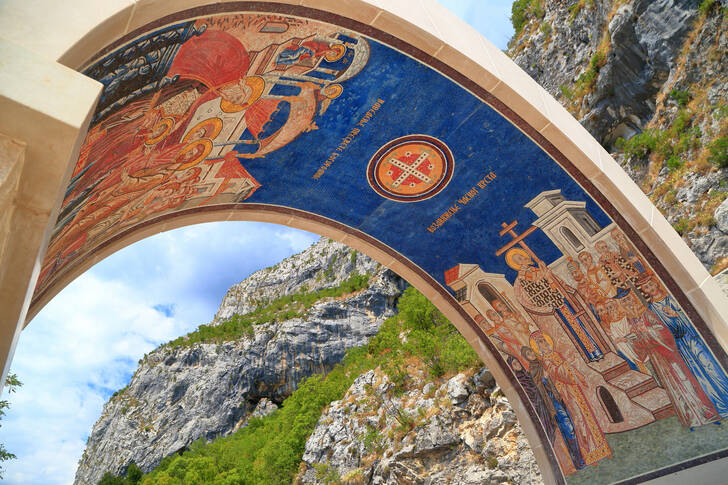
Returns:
(302, 117)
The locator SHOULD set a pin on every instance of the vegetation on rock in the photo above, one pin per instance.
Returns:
(522, 11)
(667, 144)
(269, 449)
(11, 384)
(282, 308)
(132, 477)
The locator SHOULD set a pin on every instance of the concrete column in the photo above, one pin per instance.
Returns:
(45, 109)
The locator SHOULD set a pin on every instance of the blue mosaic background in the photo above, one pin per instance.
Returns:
(428, 103)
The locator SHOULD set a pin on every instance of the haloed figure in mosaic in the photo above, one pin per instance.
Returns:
(535, 386)
(570, 383)
(546, 399)
(692, 348)
(656, 344)
(545, 296)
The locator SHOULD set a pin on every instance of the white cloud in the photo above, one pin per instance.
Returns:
(197, 264)
(81, 348)
(86, 343)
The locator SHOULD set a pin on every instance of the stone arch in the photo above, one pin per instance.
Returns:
(458, 55)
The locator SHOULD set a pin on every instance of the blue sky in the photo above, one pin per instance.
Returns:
(86, 343)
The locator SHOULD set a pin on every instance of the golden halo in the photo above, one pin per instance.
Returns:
(207, 148)
(212, 134)
(168, 123)
(333, 91)
(512, 252)
(256, 84)
(339, 51)
(534, 345)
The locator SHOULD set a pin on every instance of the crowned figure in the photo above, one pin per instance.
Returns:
(546, 297)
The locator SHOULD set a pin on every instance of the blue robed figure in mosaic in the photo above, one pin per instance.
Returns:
(710, 375)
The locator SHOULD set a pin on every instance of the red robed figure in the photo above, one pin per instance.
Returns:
(214, 58)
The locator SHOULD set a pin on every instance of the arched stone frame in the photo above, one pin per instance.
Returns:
(432, 35)
(359, 241)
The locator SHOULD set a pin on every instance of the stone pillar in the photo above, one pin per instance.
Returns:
(45, 108)
(12, 155)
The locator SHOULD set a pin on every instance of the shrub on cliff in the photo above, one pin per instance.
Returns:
(719, 152)
(269, 449)
(133, 477)
(522, 11)
(280, 309)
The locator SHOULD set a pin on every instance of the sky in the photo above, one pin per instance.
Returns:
(86, 342)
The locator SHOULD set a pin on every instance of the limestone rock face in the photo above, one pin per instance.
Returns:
(655, 64)
(645, 37)
(179, 395)
(323, 265)
(461, 430)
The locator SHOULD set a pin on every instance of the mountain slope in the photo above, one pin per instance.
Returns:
(649, 79)
(401, 421)
(207, 384)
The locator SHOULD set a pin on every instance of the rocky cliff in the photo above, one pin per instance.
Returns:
(182, 392)
(458, 431)
(323, 265)
(649, 79)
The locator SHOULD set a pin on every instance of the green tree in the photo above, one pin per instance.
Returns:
(109, 479)
(719, 152)
(268, 450)
(133, 476)
(11, 384)
(522, 11)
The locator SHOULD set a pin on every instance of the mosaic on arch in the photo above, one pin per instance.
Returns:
(182, 107)
(291, 112)
(593, 338)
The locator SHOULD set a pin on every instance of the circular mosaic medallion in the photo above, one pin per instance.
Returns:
(411, 168)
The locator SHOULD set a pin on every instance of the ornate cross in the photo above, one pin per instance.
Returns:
(408, 170)
(517, 239)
